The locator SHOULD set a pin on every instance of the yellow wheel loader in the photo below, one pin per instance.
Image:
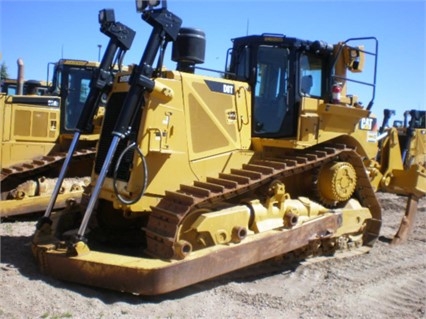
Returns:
(196, 176)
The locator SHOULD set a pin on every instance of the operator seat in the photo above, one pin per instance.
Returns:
(306, 84)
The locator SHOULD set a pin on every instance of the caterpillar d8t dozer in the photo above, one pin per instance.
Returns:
(37, 132)
(196, 176)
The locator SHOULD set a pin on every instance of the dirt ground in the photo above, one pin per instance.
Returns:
(388, 282)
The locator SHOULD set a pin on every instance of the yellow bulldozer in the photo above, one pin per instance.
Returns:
(402, 160)
(411, 135)
(35, 134)
(196, 176)
(37, 125)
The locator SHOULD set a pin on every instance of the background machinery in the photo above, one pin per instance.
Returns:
(402, 158)
(411, 135)
(413, 138)
(35, 136)
(37, 130)
(196, 176)
(21, 87)
(10, 87)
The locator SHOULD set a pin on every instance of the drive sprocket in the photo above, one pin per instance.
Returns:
(335, 182)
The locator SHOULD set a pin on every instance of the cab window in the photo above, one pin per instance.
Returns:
(270, 92)
(310, 75)
(78, 89)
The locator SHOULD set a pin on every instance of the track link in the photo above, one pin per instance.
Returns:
(29, 168)
(164, 221)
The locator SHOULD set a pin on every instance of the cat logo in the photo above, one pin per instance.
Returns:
(367, 123)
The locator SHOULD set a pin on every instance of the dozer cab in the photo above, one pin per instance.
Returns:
(196, 176)
(38, 125)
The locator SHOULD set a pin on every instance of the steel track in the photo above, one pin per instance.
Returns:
(166, 217)
(31, 167)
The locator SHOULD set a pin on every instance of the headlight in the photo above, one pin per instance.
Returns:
(106, 16)
(142, 4)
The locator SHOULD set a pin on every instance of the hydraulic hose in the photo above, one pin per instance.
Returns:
(145, 171)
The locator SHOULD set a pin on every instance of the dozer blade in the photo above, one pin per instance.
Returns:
(147, 276)
(407, 221)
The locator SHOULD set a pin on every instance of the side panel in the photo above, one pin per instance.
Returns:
(28, 130)
(217, 116)
(218, 113)
(35, 123)
(196, 133)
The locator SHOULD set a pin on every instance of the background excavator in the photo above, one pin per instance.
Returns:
(196, 176)
(37, 126)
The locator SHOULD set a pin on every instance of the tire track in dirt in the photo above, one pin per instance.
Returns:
(393, 295)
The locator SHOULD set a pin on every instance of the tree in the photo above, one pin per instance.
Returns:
(3, 71)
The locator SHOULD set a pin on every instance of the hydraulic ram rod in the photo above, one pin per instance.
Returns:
(166, 27)
(121, 38)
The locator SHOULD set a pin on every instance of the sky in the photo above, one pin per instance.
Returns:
(43, 31)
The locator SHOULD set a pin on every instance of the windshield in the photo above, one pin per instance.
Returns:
(77, 82)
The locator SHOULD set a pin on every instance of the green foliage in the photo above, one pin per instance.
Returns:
(3, 71)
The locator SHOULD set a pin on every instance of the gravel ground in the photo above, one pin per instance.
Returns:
(388, 282)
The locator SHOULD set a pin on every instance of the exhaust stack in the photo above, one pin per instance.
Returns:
(20, 83)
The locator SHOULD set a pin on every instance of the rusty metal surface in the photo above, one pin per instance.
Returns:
(407, 221)
(145, 277)
(164, 272)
